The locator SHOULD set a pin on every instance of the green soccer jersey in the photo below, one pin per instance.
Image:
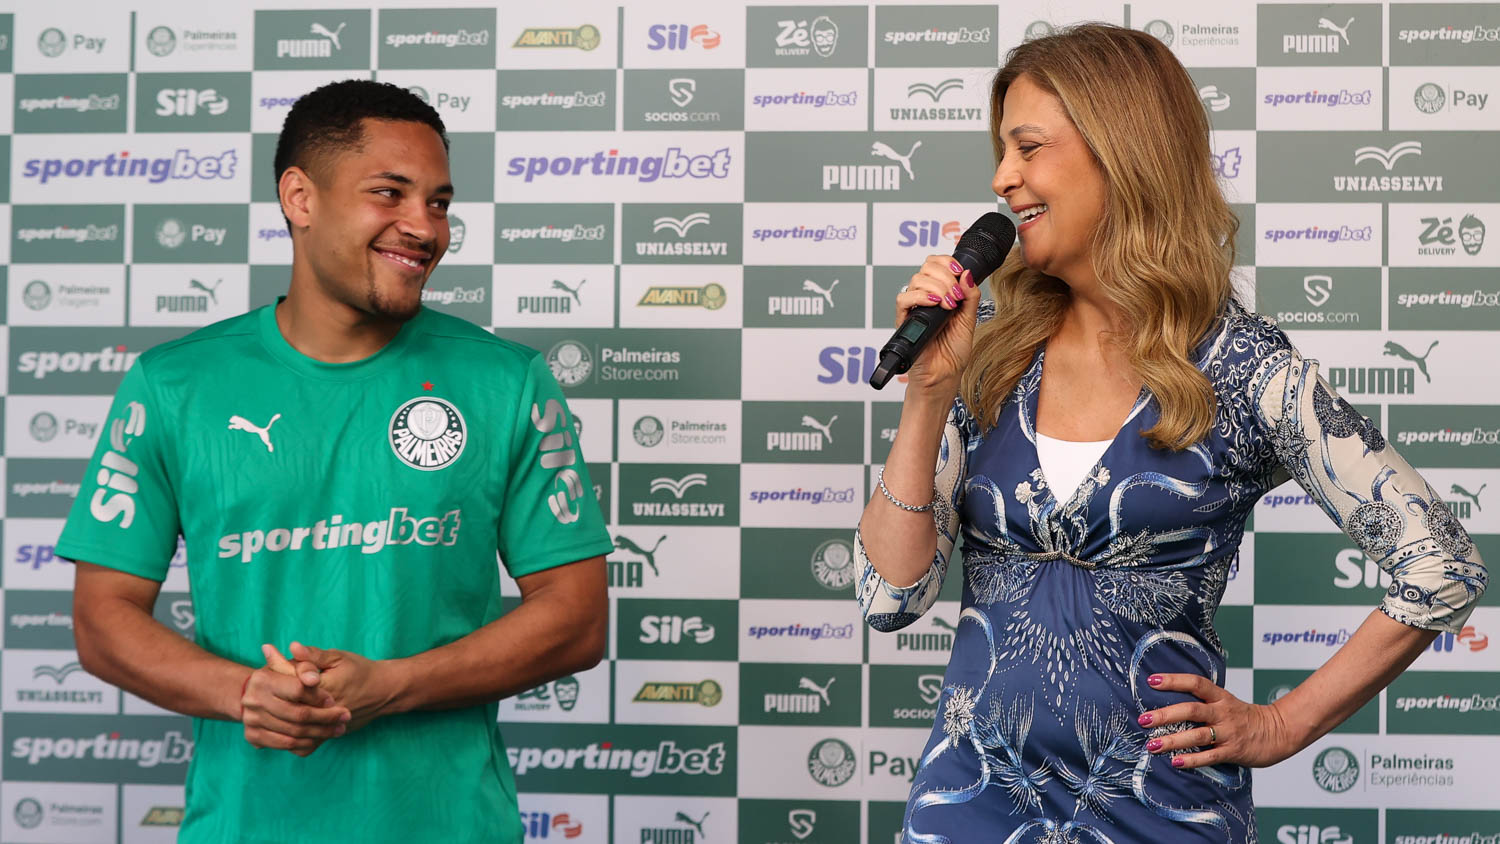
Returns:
(357, 506)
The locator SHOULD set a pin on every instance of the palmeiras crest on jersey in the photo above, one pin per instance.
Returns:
(428, 433)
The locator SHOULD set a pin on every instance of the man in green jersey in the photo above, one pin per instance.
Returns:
(344, 466)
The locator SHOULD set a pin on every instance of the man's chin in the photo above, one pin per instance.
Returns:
(400, 306)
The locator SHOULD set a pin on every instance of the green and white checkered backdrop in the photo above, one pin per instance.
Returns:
(701, 213)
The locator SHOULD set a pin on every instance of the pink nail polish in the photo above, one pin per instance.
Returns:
(1153, 745)
(1177, 762)
(958, 293)
(955, 266)
(1154, 680)
(949, 302)
(935, 300)
(969, 277)
(1145, 720)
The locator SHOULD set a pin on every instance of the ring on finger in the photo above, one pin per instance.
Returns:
(904, 288)
(1213, 735)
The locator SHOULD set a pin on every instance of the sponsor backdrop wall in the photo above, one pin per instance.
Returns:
(700, 213)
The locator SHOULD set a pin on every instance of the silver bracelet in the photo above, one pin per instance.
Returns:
(903, 505)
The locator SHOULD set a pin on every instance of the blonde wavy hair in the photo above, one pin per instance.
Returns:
(1165, 245)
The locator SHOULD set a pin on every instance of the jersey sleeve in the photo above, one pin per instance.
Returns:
(1344, 462)
(888, 607)
(125, 516)
(550, 515)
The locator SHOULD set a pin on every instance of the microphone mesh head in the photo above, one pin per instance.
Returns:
(989, 240)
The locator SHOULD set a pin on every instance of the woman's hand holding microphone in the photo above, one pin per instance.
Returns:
(943, 283)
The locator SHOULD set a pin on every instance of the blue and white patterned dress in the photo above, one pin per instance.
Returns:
(1069, 605)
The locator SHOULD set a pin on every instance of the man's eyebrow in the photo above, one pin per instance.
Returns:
(391, 176)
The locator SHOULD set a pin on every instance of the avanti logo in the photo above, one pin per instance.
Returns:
(584, 38)
(882, 177)
(665, 758)
(705, 693)
(810, 699)
(181, 165)
(321, 46)
(1436, 237)
(164, 816)
(709, 297)
(680, 36)
(1316, 42)
(801, 38)
(673, 164)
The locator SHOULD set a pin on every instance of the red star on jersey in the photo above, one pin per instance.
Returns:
(427, 385)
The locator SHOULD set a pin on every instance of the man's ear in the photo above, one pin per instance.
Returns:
(298, 196)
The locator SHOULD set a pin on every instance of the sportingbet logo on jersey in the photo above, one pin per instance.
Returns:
(333, 532)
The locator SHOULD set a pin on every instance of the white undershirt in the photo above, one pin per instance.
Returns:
(1066, 463)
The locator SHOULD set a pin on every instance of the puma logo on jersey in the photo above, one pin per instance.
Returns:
(240, 423)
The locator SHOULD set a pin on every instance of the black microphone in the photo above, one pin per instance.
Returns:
(981, 251)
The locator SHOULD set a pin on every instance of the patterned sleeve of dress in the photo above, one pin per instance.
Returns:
(1343, 461)
(886, 606)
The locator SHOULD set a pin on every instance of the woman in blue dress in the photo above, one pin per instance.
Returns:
(1100, 436)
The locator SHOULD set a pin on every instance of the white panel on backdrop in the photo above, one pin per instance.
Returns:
(1445, 98)
(954, 99)
(54, 426)
(1304, 637)
(29, 559)
(54, 682)
(574, 818)
(578, 698)
(57, 813)
(594, 420)
(684, 36)
(926, 641)
(903, 234)
(679, 431)
(187, 294)
(1299, 98)
(535, 295)
(676, 818)
(1240, 590)
(1391, 772)
(66, 294)
(673, 692)
(669, 561)
(820, 233)
(194, 40)
(780, 100)
(800, 631)
(1318, 234)
(619, 167)
(828, 365)
(7, 111)
(1200, 34)
(829, 763)
(56, 39)
(694, 296)
(274, 91)
(270, 239)
(464, 99)
(800, 495)
(471, 230)
(86, 169)
(1403, 367)
(1444, 235)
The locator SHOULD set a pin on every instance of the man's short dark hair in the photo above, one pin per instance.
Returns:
(327, 120)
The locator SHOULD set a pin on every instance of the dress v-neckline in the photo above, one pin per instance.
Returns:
(1028, 418)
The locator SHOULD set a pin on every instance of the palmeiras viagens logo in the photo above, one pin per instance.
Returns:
(37, 295)
(1335, 770)
(427, 433)
(831, 762)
